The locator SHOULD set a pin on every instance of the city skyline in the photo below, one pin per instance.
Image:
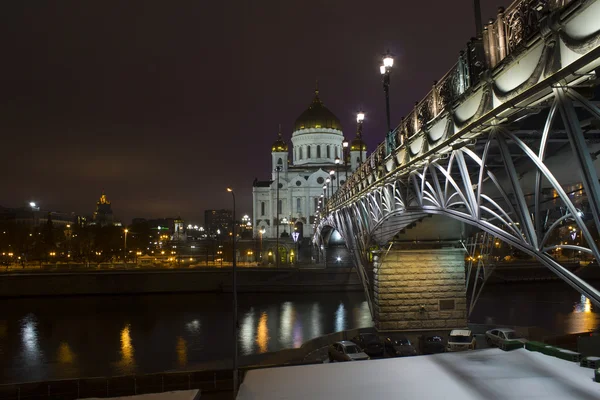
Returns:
(146, 104)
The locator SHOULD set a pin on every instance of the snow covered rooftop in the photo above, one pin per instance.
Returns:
(483, 374)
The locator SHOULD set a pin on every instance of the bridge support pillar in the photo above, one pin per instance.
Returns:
(420, 289)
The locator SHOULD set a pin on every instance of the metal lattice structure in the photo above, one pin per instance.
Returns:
(508, 147)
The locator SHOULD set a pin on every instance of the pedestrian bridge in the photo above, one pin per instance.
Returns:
(506, 142)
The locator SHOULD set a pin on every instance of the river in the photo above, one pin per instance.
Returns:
(69, 337)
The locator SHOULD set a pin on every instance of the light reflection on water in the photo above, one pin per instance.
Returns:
(59, 338)
(582, 319)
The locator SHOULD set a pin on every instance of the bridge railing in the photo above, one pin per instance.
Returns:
(507, 34)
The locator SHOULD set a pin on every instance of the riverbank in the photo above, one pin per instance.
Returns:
(150, 281)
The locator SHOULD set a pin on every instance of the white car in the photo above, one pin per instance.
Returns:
(496, 337)
(346, 351)
(461, 339)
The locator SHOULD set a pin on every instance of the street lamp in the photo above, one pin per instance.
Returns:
(337, 171)
(332, 173)
(385, 69)
(262, 232)
(278, 169)
(360, 117)
(235, 331)
(345, 151)
(125, 250)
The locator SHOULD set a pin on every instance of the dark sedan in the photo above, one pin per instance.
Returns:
(370, 343)
(399, 347)
(431, 344)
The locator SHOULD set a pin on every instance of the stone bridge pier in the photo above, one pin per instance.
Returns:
(419, 289)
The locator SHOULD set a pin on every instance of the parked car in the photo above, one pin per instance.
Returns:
(346, 351)
(370, 343)
(496, 337)
(431, 344)
(399, 347)
(461, 339)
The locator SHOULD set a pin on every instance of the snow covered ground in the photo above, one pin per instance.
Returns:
(483, 374)
(176, 395)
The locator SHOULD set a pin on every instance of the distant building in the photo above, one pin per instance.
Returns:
(103, 215)
(218, 222)
(33, 216)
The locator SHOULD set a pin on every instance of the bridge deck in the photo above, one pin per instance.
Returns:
(482, 374)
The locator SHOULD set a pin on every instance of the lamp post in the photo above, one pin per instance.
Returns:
(125, 250)
(235, 330)
(262, 232)
(337, 171)
(344, 152)
(385, 70)
(360, 117)
(332, 175)
(277, 169)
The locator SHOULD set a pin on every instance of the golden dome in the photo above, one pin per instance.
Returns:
(280, 145)
(357, 144)
(317, 116)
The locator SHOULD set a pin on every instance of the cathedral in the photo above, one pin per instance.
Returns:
(288, 202)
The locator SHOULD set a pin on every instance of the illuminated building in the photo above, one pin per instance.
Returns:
(218, 222)
(103, 215)
(318, 141)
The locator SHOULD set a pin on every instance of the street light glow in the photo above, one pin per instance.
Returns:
(332, 172)
(229, 189)
(345, 143)
(32, 204)
(382, 69)
(360, 117)
(388, 61)
(337, 160)
(327, 180)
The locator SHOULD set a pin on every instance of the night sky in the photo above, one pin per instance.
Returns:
(162, 104)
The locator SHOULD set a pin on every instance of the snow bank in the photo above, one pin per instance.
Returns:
(176, 395)
(481, 374)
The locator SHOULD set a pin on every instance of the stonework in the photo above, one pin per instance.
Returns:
(409, 285)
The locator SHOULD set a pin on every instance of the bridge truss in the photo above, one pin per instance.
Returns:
(510, 148)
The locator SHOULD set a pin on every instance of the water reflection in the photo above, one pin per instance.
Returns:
(124, 337)
(247, 333)
(582, 319)
(362, 315)
(65, 354)
(262, 333)
(193, 327)
(127, 362)
(286, 323)
(340, 318)
(315, 320)
(29, 338)
(181, 349)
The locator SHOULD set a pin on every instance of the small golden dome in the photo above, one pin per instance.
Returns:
(280, 145)
(357, 145)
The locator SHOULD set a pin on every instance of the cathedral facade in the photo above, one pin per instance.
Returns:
(288, 201)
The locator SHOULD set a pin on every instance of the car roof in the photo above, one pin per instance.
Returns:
(346, 343)
(460, 332)
(504, 330)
